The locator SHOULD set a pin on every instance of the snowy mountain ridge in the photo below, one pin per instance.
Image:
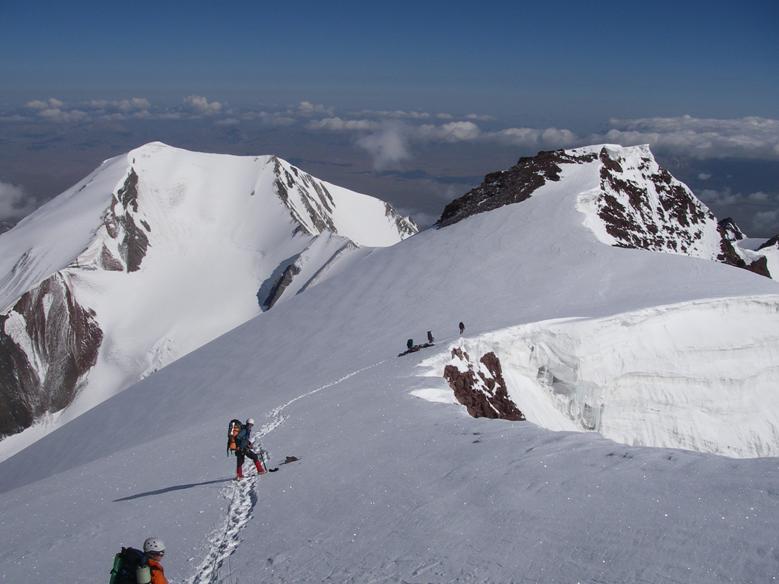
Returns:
(152, 255)
(395, 480)
(633, 203)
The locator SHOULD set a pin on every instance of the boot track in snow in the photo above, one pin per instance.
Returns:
(243, 497)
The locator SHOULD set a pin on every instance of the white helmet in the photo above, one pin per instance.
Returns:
(250, 421)
(153, 544)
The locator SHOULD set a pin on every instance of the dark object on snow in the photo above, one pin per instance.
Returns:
(409, 343)
(287, 460)
(429, 336)
(462, 328)
(414, 348)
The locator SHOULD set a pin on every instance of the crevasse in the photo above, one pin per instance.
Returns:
(698, 375)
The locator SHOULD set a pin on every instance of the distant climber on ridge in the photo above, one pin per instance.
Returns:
(462, 328)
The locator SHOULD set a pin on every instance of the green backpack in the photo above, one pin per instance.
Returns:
(126, 565)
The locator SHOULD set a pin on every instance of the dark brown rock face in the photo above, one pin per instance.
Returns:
(317, 200)
(295, 188)
(480, 387)
(405, 225)
(130, 232)
(514, 185)
(280, 286)
(732, 231)
(773, 242)
(649, 209)
(641, 205)
(48, 342)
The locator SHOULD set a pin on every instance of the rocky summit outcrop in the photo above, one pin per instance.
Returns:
(48, 342)
(731, 230)
(480, 386)
(643, 206)
(637, 203)
(313, 207)
(127, 229)
(514, 185)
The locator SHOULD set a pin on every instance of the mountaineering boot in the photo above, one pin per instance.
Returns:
(239, 473)
(260, 468)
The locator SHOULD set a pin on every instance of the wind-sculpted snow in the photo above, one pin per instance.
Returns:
(699, 376)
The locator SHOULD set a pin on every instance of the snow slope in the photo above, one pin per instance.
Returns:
(391, 487)
(151, 256)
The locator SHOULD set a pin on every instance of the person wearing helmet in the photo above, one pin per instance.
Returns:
(154, 549)
(243, 444)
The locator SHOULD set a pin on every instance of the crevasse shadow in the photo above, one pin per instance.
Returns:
(169, 489)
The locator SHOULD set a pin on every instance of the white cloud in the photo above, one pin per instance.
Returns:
(763, 206)
(397, 114)
(444, 116)
(201, 105)
(36, 104)
(51, 103)
(704, 176)
(719, 198)
(387, 147)
(307, 109)
(749, 137)
(536, 137)
(268, 118)
(61, 116)
(337, 124)
(766, 222)
(479, 117)
(450, 132)
(14, 203)
(121, 109)
(133, 104)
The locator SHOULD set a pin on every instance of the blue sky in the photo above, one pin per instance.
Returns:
(571, 59)
(409, 101)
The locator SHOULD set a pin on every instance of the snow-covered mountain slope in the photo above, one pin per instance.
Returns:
(632, 202)
(155, 253)
(391, 487)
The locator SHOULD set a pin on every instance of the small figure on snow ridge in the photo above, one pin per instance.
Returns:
(462, 327)
(412, 348)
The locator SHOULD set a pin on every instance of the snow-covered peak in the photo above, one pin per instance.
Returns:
(157, 252)
(627, 199)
